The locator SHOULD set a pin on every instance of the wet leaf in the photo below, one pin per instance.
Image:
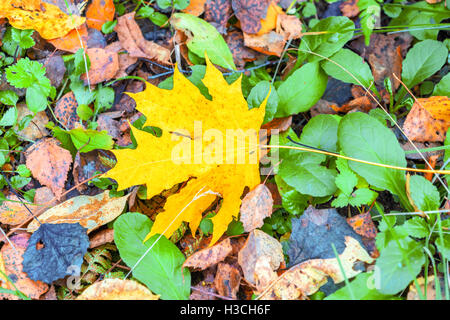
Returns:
(61, 254)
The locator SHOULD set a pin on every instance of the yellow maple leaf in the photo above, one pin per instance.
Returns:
(198, 141)
(45, 18)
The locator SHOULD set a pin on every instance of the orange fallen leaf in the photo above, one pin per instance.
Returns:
(45, 18)
(259, 244)
(66, 110)
(117, 289)
(256, 206)
(270, 21)
(99, 12)
(210, 256)
(49, 163)
(182, 110)
(12, 262)
(90, 212)
(125, 59)
(132, 40)
(349, 8)
(363, 225)
(428, 119)
(289, 26)
(271, 43)
(250, 13)
(195, 7)
(104, 65)
(73, 41)
(432, 160)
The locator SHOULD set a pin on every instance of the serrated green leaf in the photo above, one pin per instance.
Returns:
(362, 196)
(416, 227)
(424, 194)
(86, 140)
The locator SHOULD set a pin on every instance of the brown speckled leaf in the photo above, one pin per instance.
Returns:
(104, 65)
(227, 281)
(217, 12)
(259, 244)
(209, 256)
(13, 269)
(250, 13)
(117, 289)
(241, 54)
(428, 120)
(256, 206)
(66, 110)
(49, 163)
(132, 40)
(90, 212)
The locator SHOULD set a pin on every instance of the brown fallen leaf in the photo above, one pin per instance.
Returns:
(217, 13)
(132, 40)
(289, 26)
(428, 119)
(12, 260)
(101, 237)
(228, 280)
(36, 128)
(349, 8)
(90, 212)
(49, 163)
(104, 65)
(209, 256)
(307, 277)
(117, 289)
(271, 43)
(241, 54)
(250, 13)
(259, 244)
(66, 110)
(125, 59)
(280, 124)
(256, 206)
(264, 274)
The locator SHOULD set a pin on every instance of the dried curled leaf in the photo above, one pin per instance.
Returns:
(45, 18)
(185, 115)
(90, 211)
(256, 206)
(117, 289)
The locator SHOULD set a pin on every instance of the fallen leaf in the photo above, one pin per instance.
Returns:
(280, 124)
(12, 262)
(102, 237)
(90, 212)
(61, 253)
(259, 244)
(289, 26)
(125, 59)
(132, 40)
(73, 41)
(172, 112)
(117, 289)
(256, 206)
(228, 280)
(210, 256)
(195, 7)
(45, 18)
(363, 225)
(36, 128)
(428, 119)
(250, 13)
(98, 12)
(241, 54)
(86, 165)
(54, 69)
(314, 232)
(271, 43)
(104, 65)
(217, 13)
(307, 277)
(270, 21)
(430, 290)
(66, 110)
(349, 8)
(49, 163)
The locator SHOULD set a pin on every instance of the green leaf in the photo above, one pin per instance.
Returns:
(81, 62)
(177, 4)
(444, 246)
(259, 93)
(23, 38)
(161, 267)
(424, 194)
(300, 91)
(104, 99)
(422, 61)
(108, 26)
(416, 227)
(362, 287)
(205, 38)
(393, 274)
(84, 112)
(36, 99)
(337, 32)
(346, 179)
(443, 86)
(362, 196)
(353, 63)
(23, 171)
(369, 13)
(88, 140)
(8, 97)
(9, 118)
(321, 132)
(363, 137)
(19, 182)
(293, 201)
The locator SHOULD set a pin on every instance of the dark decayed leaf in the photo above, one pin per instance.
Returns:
(55, 251)
(315, 231)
